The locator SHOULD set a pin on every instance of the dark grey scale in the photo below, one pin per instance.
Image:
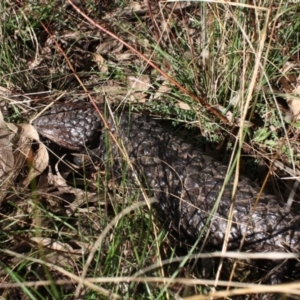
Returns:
(185, 181)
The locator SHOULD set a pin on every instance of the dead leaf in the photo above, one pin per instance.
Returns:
(40, 163)
(26, 134)
(134, 8)
(35, 63)
(6, 159)
(294, 104)
(289, 83)
(142, 83)
(110, 46)
(236, 98)
(162, 90)
(112, 88)
(61, 254)
(124, 56)
(183, 105)
(81, 196)
(138, 86)
(229, 115)
(101, 62)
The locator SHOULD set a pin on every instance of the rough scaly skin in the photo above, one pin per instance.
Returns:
(185, 181)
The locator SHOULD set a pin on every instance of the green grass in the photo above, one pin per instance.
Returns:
(33, 66)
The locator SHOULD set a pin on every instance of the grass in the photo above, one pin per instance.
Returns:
(219, 53)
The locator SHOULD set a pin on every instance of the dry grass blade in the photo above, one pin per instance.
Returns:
(100, 239)
(66, 273)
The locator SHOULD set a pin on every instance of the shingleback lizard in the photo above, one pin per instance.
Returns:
(185, 181)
